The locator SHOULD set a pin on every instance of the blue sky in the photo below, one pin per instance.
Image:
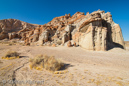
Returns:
(43, 11)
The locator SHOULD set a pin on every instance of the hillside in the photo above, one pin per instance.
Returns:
(96, 31)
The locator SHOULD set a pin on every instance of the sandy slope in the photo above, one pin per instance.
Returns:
(86, 68)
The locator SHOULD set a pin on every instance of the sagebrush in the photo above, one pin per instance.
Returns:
(11, 55)
(46, 62)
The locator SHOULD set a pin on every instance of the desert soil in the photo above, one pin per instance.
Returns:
(85, 68)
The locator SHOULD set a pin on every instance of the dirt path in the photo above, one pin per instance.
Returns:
(87, 68)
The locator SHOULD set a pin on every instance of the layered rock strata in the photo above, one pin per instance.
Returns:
(95, 31)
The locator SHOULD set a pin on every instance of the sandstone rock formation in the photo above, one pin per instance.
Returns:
(12, 28)
(95, 31)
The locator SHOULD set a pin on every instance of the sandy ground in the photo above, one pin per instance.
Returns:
(85, 68)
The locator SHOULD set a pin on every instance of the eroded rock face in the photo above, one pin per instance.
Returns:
(95, 31)
(14, 28)
(43, 37)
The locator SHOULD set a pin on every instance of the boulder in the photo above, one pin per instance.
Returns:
(69, 44)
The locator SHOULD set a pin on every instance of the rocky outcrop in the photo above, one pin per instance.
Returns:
(95, 31)
(43, 37)
(117, 35)
(3, 35)
(14, 28)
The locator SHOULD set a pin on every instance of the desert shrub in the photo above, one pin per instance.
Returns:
(11, 55)
(46, 62)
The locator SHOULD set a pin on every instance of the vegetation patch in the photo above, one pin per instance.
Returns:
(47, 62)
(60, 72)
(11, 55)
(6, 66)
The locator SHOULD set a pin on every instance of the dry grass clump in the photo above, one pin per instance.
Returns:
(60, 72)
(91, 80)
(119, 83)
(98, 82)
(47, 62)
(11, 55)
(6, 66)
